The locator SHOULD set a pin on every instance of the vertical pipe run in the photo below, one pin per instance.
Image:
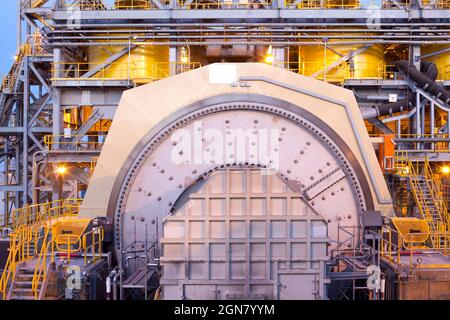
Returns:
(57, 120)
(423, 118)
(432, 123)
(26, 102)
(418, 124)
(448, 123)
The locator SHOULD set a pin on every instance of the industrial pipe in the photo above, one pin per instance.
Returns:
(430, 73)
(113, 276)
(267, 42)
(423, 81)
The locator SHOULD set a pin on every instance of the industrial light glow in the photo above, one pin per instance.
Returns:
(184, 55)
(445, 169)
(269, 59)
(61, 170)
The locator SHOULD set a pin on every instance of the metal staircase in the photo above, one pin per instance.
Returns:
(10, 81)
(37, 239)
(428, 195)
(22, 286)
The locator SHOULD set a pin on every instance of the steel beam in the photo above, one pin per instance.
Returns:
(249, 14)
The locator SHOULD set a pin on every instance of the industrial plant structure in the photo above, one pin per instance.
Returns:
(227, 149)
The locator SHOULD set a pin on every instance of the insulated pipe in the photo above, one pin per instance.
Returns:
(113, 276)
(430, 72)
(423, 81)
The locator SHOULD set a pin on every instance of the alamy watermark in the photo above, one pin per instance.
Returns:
(259, 146)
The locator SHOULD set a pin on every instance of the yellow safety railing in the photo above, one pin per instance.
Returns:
(136, 71)
(43, 212)
(401, 163)
(344, 71)
(23, 245)
(419, 171)
(40, 272)
(117, 5)
(94, 245)
(76, 142)
(31, 48)
(436, 4)
(84, 5)
(224, 4)
(89, 244)
(395, 245)
(68, 244)
(324, 4)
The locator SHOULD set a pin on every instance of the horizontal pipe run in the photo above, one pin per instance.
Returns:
(202, 43)
(239, 29)
(420, 140)
(257, 36)
(287, 24)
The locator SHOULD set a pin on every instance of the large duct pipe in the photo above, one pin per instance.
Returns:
(429, 75)
(425, 83)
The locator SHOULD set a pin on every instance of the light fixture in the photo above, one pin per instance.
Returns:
(269, 59)
(184, 55)
(445, 169)
(61, 170)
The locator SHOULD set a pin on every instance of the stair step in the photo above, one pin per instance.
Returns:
(25, 290)
(25, 271)
(22, 298)
(24, 283)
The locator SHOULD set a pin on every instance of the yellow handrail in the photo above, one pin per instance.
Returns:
(19, 251)
(67, 244)
(40, 272)
(407, 167)
(43, 212)
(136, 71)
(97, 242)
(72, 243)
(78, 142)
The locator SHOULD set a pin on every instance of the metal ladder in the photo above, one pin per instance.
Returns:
(430, 202)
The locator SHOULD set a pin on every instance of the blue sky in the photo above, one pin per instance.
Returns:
(8, 21)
